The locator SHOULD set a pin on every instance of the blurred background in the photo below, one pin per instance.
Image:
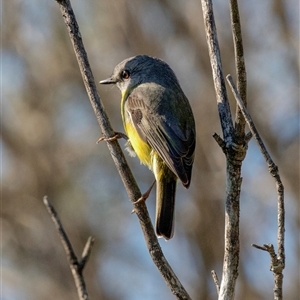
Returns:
(49, 135)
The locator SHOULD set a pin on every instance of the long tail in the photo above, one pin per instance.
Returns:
(165, 201)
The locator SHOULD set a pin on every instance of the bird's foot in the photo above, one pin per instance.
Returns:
(118, 135)
(144, 196)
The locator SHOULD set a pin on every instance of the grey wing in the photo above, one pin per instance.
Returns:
(172, 140)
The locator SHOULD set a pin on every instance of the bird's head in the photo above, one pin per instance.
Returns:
(133, 71)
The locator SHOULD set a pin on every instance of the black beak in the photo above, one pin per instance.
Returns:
(108, 81)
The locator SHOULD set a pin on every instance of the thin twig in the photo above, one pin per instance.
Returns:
(259, 247)
(216, 280)
(118, 157)
(220, 142)
(86, 252)
(75, 266)
(278, 264)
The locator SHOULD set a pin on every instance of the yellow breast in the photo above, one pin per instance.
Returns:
(141, 148)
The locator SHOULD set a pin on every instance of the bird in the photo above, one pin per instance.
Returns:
(160, 126)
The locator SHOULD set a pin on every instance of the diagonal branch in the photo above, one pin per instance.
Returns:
(75, 265)
(278, 264)
(117, 155)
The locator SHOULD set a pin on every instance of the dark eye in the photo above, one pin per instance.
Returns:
(125, 74)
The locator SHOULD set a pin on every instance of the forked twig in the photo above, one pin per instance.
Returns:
(76, 265)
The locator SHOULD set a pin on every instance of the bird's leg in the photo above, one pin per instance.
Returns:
(145, 195)
(118, 135)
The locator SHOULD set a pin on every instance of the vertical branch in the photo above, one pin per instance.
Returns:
(234, 157)
(217, 72)
(241, 75)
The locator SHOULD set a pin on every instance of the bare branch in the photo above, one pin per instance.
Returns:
(117, 155)
(278, 264)
(75, 266)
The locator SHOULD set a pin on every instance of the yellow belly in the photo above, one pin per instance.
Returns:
(141, 148)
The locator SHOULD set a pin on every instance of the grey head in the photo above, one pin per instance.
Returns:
(136, 70)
